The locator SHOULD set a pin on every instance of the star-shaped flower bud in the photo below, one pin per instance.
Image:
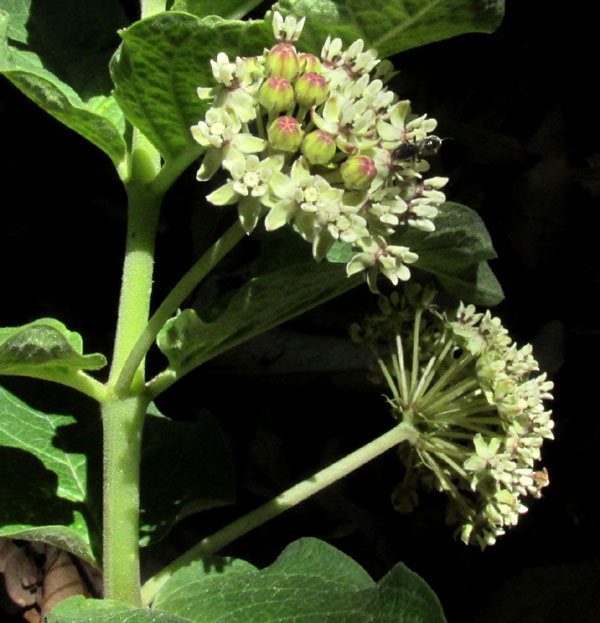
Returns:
(309, 62)
(311, 89)
(282, 62)
(358, 172)
(276, 94)
(285, 134)
(318, 147)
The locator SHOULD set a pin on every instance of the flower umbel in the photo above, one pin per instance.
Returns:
(476, 403)
(333, 119)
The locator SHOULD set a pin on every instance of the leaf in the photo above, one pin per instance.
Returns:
(162, 62)
(457, 253)
(185, 469)
(390, 27)
(228, 9)
(79, 609)
(45, 349)
(476, 284)
(45, 497)
(266, 301)
(57, 54)
(54, 496)
(310, 582)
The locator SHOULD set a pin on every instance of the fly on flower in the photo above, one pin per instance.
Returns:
(416, 150)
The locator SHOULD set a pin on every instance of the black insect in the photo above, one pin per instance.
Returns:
(415, 150)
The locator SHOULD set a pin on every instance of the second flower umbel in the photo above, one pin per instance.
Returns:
(475, 401)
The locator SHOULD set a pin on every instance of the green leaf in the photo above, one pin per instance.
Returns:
(57, 54)
(185, 469)
(475, 284)
(78, 609)
(266, 301)
(390, 27)
(457, 253)
(162, 62)
(45, 349)
(311, 582)
(54, 496)
(228, 9)
(44, 496)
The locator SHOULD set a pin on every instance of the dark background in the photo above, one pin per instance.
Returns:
(520, 116)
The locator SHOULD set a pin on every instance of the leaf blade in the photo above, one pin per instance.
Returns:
(264, 302)
(311, 582)
(46, 498)
(390, 27)
(58, 57)
(162, 62)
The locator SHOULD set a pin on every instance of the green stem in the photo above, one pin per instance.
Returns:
(453, 370)
(122, 420)
(415, 358)
(123, 415)
(175, 298)
(442, 399)
(281, 503)
(136, 286)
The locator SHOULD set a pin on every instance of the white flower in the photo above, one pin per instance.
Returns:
(475, 404)
(222, 69)
(289, 30)
(318, 197)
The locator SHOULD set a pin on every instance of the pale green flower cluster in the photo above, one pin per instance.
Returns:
(309, 141)
(477, 404)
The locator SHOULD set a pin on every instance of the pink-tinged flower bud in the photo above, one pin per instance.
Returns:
(318, 147)
(285, 134)
(311, 89)
(309, 62)
(282, 62)
(276, 94)
(358, 172)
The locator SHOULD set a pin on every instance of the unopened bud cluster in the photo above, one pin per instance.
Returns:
(309, 141)
(475, 401)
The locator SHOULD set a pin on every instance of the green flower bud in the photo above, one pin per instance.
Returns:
(285, 134)
(282, 62)
(358, 172)
(318, 147)
(309, 62)
(276, 94)
(311, 89)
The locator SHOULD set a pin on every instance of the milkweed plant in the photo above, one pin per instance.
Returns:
(293, 125)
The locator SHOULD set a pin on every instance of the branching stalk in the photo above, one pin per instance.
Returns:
(172, 302)
(281, 503)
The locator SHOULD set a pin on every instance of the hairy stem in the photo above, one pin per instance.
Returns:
(136, 286)
(122, 420)
(123, 414)
(175, 298)
(281, 503)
